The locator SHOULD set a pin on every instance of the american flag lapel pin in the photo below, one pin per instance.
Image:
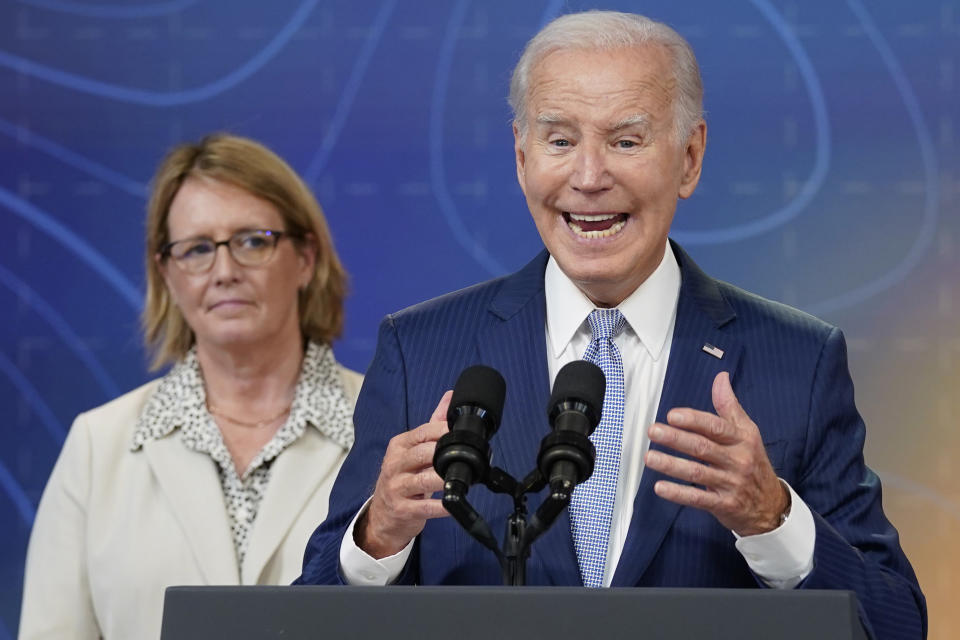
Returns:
(716, 352)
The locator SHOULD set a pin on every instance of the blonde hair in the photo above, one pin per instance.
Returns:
(252, 167)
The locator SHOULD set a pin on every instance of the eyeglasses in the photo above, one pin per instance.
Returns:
(249, 248)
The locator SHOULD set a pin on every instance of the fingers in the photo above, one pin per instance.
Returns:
(425, 433)
(433, 508)
(687, 495)
(409, 455)
(402, 501)
(730, 475)
(724, 400)
(724, 427)
(691, 443)
(440, 413)
(682, 469)
(422, 483)
(716, 428)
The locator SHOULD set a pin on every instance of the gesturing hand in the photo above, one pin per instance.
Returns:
(401, 502)
(733, 477)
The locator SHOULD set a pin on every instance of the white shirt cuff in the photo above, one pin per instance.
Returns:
(361, 569)
(783, 557)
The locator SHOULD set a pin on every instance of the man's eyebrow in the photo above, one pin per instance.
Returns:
(629, 121)
(551, 118)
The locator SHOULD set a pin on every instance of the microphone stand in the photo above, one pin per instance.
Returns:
(566, 457)
(520, 534)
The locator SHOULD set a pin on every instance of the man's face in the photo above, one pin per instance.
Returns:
(601, 167)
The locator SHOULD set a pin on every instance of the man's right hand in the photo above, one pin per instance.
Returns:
(402, 502)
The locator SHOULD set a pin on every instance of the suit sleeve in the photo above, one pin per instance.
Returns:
(856, 546)
(56, 590)
(381, 413)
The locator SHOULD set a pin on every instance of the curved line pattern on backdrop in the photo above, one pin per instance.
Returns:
(34, 399)
(928, 156)
(921, 491)
(438, 176)
(821, 164)
(76, 245)
(438, 105)
(319, 161)
(63, 330)
(71, 158)
(162, 98)
(18, 497)
(110, 11)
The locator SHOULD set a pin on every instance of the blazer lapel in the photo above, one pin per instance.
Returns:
(189, 481)
(294, 478)
(515, 345)
(701, 314)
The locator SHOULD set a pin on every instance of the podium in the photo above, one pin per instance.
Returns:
(502, 613)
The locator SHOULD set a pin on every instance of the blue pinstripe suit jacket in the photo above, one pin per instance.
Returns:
(789, 371)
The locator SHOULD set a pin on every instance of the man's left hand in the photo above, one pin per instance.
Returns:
(731, 475)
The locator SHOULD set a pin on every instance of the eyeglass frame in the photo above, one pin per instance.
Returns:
(165, 250)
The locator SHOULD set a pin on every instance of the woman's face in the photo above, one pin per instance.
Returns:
(233, 305)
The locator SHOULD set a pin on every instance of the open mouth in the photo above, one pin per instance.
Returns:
(595, 225)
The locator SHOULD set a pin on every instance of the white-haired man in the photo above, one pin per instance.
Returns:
(702, 485)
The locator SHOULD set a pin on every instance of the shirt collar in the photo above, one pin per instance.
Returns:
(319, 400)
(649, 310)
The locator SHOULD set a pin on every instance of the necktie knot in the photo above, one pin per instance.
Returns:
(606, 324)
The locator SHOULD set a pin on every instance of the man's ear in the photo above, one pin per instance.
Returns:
(520, 157)
(693, 151)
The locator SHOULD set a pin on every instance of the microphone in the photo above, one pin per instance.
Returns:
(462, 456)
(566, 455)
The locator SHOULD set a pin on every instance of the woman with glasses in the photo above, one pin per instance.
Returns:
(218, 472)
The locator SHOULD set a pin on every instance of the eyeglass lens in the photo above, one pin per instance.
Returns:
(248, 248)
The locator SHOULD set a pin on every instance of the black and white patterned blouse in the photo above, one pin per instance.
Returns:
(179, 402)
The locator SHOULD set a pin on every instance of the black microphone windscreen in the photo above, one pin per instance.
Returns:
(579, 380)
(479, 386)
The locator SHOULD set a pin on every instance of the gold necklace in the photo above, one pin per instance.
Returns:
(244, 423)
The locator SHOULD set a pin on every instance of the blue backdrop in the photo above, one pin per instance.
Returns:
(831, 182)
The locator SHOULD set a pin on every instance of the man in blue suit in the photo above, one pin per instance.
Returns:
(737, 460)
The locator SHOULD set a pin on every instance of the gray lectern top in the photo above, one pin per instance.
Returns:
(500, 613)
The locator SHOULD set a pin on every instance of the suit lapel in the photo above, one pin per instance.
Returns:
(294, 477)
(189, 481)
(701, 314)
(515, 345)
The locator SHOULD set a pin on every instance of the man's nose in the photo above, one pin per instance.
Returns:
(590, 172)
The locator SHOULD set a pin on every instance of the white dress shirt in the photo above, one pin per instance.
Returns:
(782, 557)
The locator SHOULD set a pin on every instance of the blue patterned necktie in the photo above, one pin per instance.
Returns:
(591, 505)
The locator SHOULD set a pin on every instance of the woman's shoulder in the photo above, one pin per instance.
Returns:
(352, 381)
(322, 369)
(122, 410)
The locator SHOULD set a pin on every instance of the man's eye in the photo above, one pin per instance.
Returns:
(626, 144)
(560, 142)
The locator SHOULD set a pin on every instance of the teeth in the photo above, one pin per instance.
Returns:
(613, 230)
(583, 218)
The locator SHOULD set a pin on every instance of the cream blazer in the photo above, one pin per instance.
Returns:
(116, 527)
